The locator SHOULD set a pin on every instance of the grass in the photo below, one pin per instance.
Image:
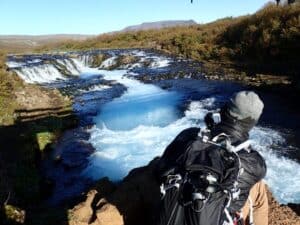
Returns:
(9, 82)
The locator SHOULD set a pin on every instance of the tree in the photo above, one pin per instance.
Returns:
(277, 2)
(291, 1)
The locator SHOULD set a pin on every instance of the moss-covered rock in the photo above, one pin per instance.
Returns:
(98, 59)
(124, 60)
(44, 138)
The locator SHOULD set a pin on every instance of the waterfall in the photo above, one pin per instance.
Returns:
(108, 62)
(86, 59)
(39, 74)
(53, 67)
(46, 69)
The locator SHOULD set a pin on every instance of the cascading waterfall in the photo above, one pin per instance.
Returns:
(39, 74)
(38, 71)
(108, 62)
(86, 59)
(50, 68)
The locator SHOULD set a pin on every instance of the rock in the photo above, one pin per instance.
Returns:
(137, 196)
(108, 214)
(82, 213)
(87, 213)
(295, 208)
(281, 214)
(133, 202)
(105, 187)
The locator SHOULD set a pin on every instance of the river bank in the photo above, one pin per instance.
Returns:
(32, 118)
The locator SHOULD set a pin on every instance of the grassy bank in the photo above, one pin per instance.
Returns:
(266, 42)
(8, 84)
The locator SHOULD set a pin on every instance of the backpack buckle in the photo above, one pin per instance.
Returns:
(171, 182)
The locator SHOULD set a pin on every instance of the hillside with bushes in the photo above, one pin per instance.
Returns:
(267, 41)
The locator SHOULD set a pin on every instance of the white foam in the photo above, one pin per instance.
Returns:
(140, 104)
(82, 67)
(196, 109)
(71, 67)
(159, 62)
(139, 53)
(68, 66)
(86, 59)
(108, 62)
(283, 175)
(119, 151)
(40, 74)
(14, 64)
(99, 87)
(155, 61)
(47, 73)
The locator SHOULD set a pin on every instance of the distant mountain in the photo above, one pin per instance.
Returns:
(159, 25)
(17, 42)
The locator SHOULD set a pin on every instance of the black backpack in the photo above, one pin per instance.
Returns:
(201, 182)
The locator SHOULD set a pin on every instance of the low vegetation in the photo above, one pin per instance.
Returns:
(8, 83)
(271, 35)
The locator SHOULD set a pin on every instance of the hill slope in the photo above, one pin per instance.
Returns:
(159, 25)
(27, 42)
(265, 42)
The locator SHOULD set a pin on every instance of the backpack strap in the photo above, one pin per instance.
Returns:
(226, 144)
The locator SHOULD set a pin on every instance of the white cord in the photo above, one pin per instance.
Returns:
(251, 211)
(230, 221)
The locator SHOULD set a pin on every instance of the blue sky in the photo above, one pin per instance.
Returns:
(99, 16)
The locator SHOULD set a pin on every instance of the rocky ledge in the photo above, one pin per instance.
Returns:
(31, 119)
(136, 198)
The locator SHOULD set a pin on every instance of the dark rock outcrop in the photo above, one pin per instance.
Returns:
(133, 201)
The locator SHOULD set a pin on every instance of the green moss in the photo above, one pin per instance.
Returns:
(14, 214)
(44, 138)
(98, 59)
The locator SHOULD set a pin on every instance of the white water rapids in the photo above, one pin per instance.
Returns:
(131, 130)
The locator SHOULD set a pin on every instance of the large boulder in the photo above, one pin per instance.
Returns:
(132, 202)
